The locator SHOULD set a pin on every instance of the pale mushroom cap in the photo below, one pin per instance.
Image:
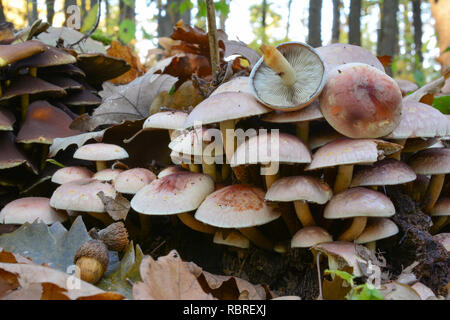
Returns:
(106, 174)
(173, 194)
(377, 229)
(238, 84)
(309, 70)
(170, 170)
(225, 106)
(419, 120)
(81, 195)
(358, 202)
(398, 291)
(310, 236)
(69, 174)
(385, 172)
(195, 142)
(406, 86)
(236, 206)
(351, 151)
(431, 161)
(170, 120)
(132, 180)
(299, 188)
(233, 238)
(444, 239)
(441, 208)
(100, 152)
(267, 148)
(309, 113)
(29, 209)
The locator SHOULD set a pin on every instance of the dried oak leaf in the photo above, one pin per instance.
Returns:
(61, 144)
(117, 207)
(168, 278)
(118, 50)
(337, 288)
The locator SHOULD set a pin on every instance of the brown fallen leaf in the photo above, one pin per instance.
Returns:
(118, 50)
(117, 208)
(60, 144)
(337, 288)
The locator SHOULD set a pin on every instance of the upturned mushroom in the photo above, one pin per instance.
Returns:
(100, 153)
(376, 229)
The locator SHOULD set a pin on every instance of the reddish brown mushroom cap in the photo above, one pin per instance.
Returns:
(51, 57)
(69, 174)
(10, 155)
(100, 67)
(310, 236)
(236, 206)
(431, 161)
(30, 209)
(132, 180)
(16, 52)
(43, 123)
(64, 82)
(32, 86)
(66, 69)
(7, 120)
(82, 98)
(360, 101)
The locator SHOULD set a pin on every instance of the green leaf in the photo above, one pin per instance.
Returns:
(342, 274)
(56, 163)
(127, 30)
(366, 292)
(442, 103)
(419, 77)
(90, 20)
(446, 50)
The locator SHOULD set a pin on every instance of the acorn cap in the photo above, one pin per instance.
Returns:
(441, 208)
(431, 161)
(309, 113)
(225, 106)
(69, 174)
(170, 120)
(377, 229)
(384, 172)
(132, 180)
(107, 175)
(406, 86)
(44, 123)
(337, 54)
(360, 101)
(310, 236)
(64, 82)
(26, 84)
(419, 120)
(81, 195)
(231, 238)
(358, 202)
(322, 134)
(299, 188)
(173, 194)
(95, 249)
(265, 148)
(115, 236)
(351, 151)
(29, 210)
(193, 142)
(10, 155)
(444, 239)
(7, 120)
(237, 84)
(236, 206)
(49, 58)
(170, 170)
(100, 152)
(309, 71)
(82, 98)
(101, 67)
(11, 53)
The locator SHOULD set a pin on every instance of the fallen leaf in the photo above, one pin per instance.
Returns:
(117, 208)
(118, 50)
(386, 61)
(338, 287)
(60, 144)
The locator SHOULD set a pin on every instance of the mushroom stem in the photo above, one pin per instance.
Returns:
(102, 216)
(372, 246)
(270, 179)
(375, 188)
(440, 223)
(278, 63)
(44, 154)
(290, 220)
(343, 178)
(209, 169)
(194, 167)
(242, 174)
(257, 237)
(196, 225)
(33, 72)
(81, 110)
(355, 230)
(398, 154)
(303, 213)
(101, 165)
(145, 225)
(433, 192)
(228, 146)
(303, 131)
(225, 171)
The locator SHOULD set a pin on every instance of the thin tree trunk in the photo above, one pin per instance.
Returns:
(263, 21)
(336, 29)
(314, 23)
(288, 24)
(387, 34)
(222, 18)
(171, 17)
(34, 13)
(417, 25)
(407, 35)
(441, 14)
(50, 4)
(2, 13)
(354, 32)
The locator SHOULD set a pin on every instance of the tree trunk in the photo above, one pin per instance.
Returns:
(33, 16)
(314, 23)
(336, 29)
(417, 25)
(171, 17)
(263, 21)
(2, 13)
(50, 4)
(387, 34)
(223, 18)
(354, 32)
(441, 14)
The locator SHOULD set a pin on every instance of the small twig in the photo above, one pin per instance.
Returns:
(157, 247)
(212, 37)
(87, 35)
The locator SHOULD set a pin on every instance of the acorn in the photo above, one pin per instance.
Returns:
(114, 236)
(92, 258)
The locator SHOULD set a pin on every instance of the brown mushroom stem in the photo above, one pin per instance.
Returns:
(278, 63)
(33, 72)
(257, 238)
(228, 146)
(270, 178)
(194, 167)
(303, 213)
(397, 155)
(189, 220)
(209, 169)
(372, 246)
(375, 188)
(343, 178)
(44, 154)
(24, 103)
(433, 192)
(144, 221)
(303, 131)
(355, 230)
(280, 248)
(440, 223)
(102, 216)
(291, 221)
(81, 110)
(101, 165)
(225, 171)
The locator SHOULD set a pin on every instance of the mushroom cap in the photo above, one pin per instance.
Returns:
(416, 144)
(170, 170)
(385, 172)
(237, 84)
(419, 120)
(170, 120)
(299, 188)
(231, 238)
(29, 209)
(26, 84)
(7, 120)
(431, 161)
(358, 202)
(44, 123)
(337, 54)
(309, 113)
(64, 82)
(194, 142)
(236, 206)
(101, 67)
(349, 151)
(10, 155)
(66, 69)
(310, 236)
(69, 174)
(82, 98)
(377, 229)
(15, 52)
(81, 195)
(441, 208)
(360, 101)
(225, 106)
(309, 69)
(107, 174)
(423, 291)
(173, 194)
(48, 58)
(100, 152)
(444, 239)
(132, 180)
(267, 147)
(406, 86)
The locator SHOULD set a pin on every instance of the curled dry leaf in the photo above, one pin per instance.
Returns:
(60, 144)
(118, 50)
(117, 208)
